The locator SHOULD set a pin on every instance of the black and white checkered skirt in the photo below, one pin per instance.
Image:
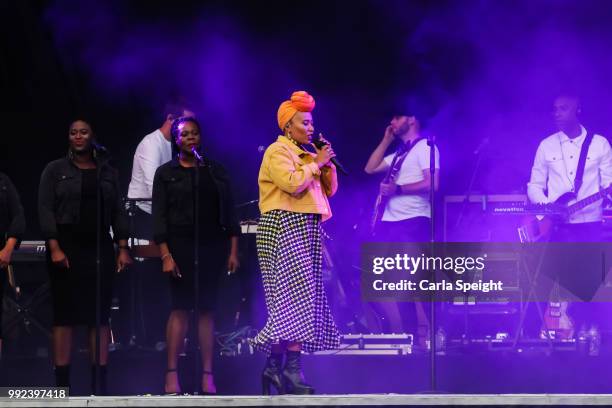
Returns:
(289, 252)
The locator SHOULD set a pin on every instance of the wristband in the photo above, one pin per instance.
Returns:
(166, 256)
(398, 190)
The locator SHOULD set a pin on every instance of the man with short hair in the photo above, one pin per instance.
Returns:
(154, 150)
(553, 174)
(555, 167)
(407, 213)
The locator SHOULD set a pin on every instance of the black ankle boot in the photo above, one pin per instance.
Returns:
(272, 374)
(62, 375)
(103, 388)
(293, 377)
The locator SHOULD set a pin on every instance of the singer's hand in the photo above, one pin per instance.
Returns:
(389, 135)
(324, 154)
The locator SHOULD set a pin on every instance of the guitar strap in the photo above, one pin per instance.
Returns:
(400, 156)
(582, 162)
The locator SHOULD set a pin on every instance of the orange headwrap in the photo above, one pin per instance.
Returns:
(300, 101)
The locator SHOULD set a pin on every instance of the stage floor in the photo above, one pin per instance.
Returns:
(323, 400)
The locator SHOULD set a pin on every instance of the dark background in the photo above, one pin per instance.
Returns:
(473, 69)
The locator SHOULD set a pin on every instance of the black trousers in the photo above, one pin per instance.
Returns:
(143, 290)
(415, 229)
(578, 268)
(583, 232)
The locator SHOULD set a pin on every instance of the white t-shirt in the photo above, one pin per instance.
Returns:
(554, 169)
(152, 151)
(405, 206)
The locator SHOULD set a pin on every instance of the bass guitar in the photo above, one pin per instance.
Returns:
(537, 227)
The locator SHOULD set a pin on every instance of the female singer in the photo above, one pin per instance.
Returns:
(174, 215)
(68, 213)
(294, 186)
(12, 227)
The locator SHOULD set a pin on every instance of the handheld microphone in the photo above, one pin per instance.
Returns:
(319, 144)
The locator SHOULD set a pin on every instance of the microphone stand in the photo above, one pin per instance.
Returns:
(432, 238)
(99, 164)
(466, 200)
(470, 188)
(196, 266)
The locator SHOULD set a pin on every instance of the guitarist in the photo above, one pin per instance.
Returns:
(406, 215)
(12, 228)
(556, 165)
(557, 170)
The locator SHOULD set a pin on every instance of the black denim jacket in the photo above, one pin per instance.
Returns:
(12, 219)
(59, 198)
(173, 199)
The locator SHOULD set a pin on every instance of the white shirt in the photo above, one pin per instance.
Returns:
(405, 206)
(152, 151)
(554, 169)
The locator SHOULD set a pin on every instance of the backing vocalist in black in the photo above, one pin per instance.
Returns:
(174, 232)
(67, 210)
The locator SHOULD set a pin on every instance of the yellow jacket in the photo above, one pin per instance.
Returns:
(290, 180)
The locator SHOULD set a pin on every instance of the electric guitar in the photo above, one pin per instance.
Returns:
(538, 227)
(556, 323)
(392, 172)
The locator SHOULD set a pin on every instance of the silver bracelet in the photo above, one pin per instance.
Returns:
(165, 256)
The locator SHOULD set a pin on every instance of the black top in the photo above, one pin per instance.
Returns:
(210, 228)
(85, 229)
(60, 194)
(87, 221)
(12, 219)
(173, 202)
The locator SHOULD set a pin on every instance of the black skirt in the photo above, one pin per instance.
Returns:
(73, 290)
(213, 256)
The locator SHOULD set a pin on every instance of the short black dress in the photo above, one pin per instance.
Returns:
(74, 289)
(213, 249)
